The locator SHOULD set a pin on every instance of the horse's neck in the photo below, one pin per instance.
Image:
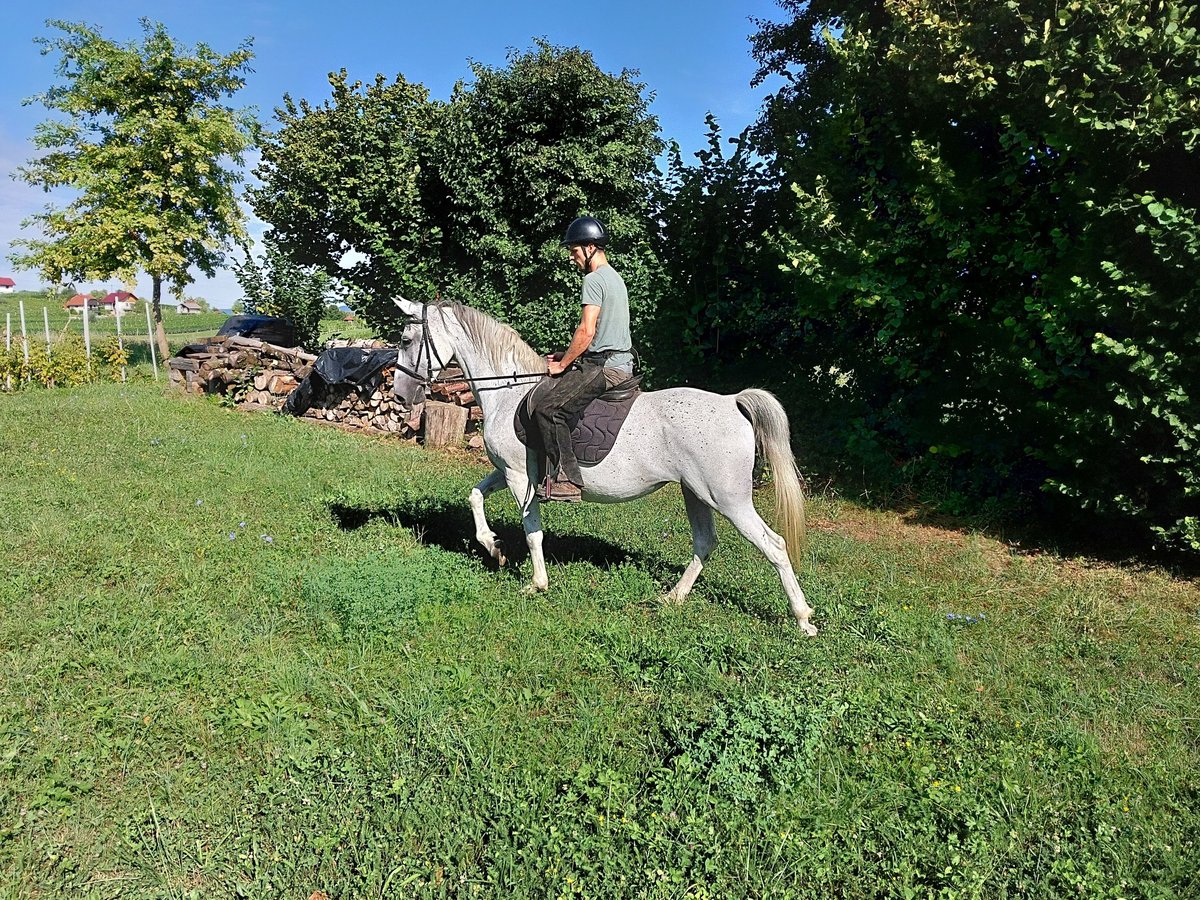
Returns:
(492, 393)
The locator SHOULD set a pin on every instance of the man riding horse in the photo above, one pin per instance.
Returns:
(599, 355)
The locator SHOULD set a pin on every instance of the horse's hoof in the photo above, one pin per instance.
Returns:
(671, 598)
(808, 628)
(498, 554)
(530, 589)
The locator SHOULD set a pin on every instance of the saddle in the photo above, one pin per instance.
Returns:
(596, 429)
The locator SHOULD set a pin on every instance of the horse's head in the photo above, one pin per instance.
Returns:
(424, 351)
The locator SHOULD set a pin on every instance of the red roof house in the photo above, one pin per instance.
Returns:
(7, 285)
(78, 300)
(124, 298)
(109, 302)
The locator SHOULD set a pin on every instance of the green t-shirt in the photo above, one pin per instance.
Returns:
(606, 289)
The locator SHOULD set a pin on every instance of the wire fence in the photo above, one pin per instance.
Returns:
(25, 336)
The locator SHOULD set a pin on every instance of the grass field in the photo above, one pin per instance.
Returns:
(42, 309)
(246, 656)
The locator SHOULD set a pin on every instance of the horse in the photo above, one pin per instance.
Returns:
(704, 442)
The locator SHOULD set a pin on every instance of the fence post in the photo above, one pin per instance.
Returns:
(8, 347)
(150, 338)
(120, 343)
(46, 323)
(87, 332)
(24, 335)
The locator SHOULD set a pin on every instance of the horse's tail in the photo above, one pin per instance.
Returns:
(773, 437)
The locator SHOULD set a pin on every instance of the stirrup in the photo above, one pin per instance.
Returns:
(562, 491)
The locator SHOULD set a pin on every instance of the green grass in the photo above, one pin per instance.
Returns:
(245, 656)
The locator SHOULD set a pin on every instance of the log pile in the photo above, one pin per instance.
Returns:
(257, 375)
(245, 369)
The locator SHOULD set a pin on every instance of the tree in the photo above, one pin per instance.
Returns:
(994, 231)
(342, 186)
(153, 153)
(278, 286)
(393, 193)
(523, 150)
(715, 216)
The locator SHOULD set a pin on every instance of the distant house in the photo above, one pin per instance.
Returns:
(122, 299)
(7, 285)
(77, 303)
(189, 308)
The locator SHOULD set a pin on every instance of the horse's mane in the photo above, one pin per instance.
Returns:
(500, 343)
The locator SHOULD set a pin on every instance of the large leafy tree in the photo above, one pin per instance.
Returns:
(467, 199)
(994, 232)
(142, 135)
(715, 214)
(344, 187)
(523, 150)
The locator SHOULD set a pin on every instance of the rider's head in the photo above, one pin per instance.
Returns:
(586, 238)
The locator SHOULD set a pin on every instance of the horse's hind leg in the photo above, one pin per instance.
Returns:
(704, 538)
(483, 531)
(747, 520)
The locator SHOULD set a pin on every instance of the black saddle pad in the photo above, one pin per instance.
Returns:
(597, 428)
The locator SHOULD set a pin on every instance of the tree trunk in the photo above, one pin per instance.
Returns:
(160, 333)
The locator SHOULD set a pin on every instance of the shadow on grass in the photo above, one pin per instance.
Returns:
(1021, 516)
(1061, 533)
(452, 528)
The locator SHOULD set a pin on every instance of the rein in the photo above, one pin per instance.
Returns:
(429, 351)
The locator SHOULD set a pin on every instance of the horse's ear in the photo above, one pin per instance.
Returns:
(408, 307)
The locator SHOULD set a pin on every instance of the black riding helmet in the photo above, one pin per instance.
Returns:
(585, 230)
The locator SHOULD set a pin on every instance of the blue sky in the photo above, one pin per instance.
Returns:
(694, 58)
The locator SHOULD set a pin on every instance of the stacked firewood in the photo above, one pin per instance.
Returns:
(247, 369)
(258, 375)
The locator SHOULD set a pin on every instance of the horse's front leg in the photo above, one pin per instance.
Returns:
(483, 531)
(532, 520)
(521, 486)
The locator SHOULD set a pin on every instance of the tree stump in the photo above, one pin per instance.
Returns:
(445, 424)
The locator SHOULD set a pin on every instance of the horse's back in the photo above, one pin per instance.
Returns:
(688, 408)
(676, 435)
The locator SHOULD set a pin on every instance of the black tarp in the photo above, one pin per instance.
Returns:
(273, 330)
(360, 367)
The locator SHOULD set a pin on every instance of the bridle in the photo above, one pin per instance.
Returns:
(429, 352)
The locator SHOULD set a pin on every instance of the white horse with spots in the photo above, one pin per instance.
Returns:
(705, 442)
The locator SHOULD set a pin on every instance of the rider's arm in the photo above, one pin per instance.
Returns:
(582, 339)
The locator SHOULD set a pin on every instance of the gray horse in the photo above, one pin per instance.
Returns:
(704, 442)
